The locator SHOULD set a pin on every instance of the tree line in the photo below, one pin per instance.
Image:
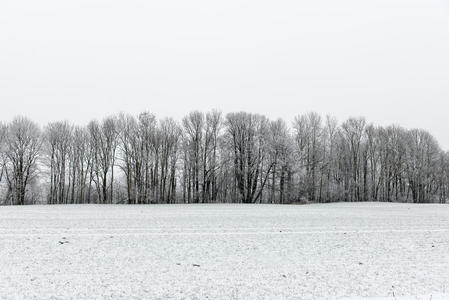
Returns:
(208, 157)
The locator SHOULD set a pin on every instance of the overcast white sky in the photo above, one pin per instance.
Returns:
(387, 60)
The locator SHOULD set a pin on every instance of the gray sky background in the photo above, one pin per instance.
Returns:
(387, 60)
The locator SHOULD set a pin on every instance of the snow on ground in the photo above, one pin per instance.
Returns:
(328, 251)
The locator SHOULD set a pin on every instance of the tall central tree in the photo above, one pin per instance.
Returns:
(247, 133)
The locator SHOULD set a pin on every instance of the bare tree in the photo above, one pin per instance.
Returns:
(81, 165)
(280, 159)
(103, 142)
(20, 156)
(247, 135)
(170, 136)
(421, 163)
(193, 125)
(128, 148)
(353, 133)
(211, 164)
(58, 143)
(309, 151)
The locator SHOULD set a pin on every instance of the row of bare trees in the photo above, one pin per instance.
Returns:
(208, 157)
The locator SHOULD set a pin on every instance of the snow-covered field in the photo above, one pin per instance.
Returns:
(328, 251)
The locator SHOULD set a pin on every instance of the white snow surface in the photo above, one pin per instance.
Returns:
(225, 251)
